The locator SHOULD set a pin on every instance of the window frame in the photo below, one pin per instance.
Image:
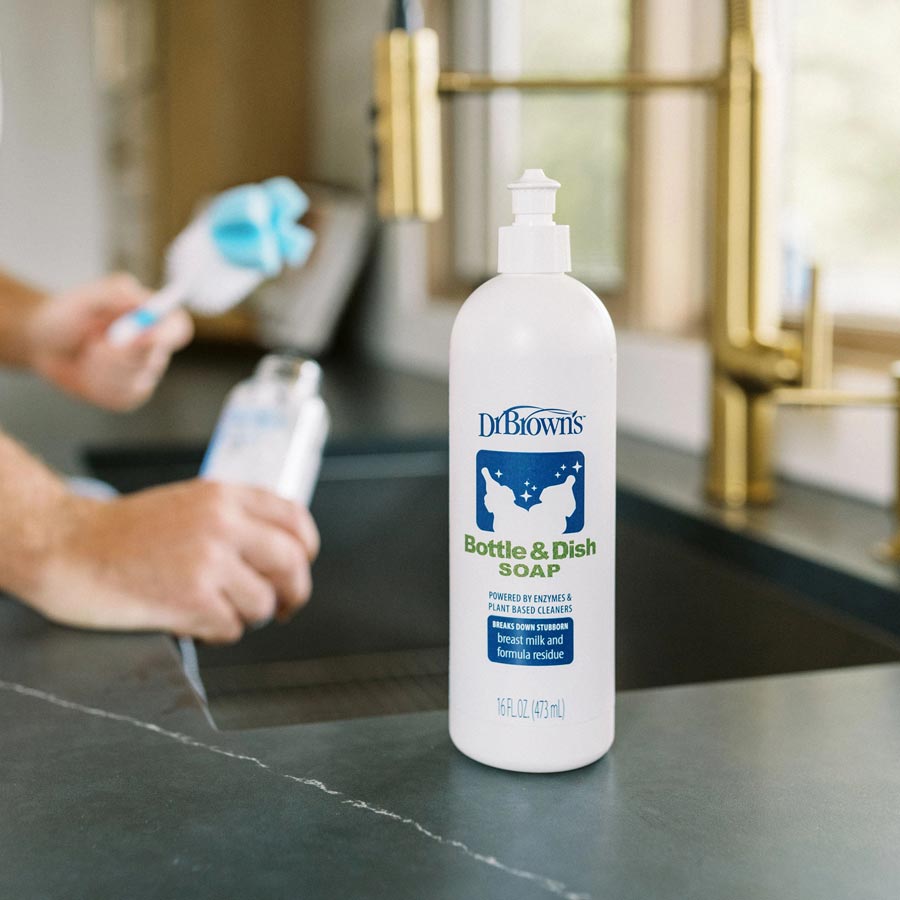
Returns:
(663, 374)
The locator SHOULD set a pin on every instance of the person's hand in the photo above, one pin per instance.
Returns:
(69, 348)
(196, 559)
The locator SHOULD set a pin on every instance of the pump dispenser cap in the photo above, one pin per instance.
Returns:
(534, 244)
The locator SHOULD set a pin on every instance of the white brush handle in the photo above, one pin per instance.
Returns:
(126, 328)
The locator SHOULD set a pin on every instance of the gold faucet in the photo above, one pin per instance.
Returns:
(756, 364)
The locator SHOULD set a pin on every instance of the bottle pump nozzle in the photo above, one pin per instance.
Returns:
(534, 243)
(534, 198)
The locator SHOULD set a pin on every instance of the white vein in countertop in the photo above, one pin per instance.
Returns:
(550, 885)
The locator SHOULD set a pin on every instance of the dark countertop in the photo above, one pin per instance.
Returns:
(114, 784)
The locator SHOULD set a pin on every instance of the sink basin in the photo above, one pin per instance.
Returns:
(373, 640)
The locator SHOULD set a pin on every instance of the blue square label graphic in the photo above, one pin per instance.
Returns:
(543, 490)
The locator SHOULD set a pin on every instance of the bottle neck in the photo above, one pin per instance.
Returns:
(298, 375)
(538, 248)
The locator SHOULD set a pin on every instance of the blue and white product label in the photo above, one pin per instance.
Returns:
(543, 491)
(523, 496)
(532, 546)
(517, 494)
(530, 642)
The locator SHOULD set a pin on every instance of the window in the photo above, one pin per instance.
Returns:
(843, 164)
(579, 139)
(635, 171)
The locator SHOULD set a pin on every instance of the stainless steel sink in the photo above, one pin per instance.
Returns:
(373, 640)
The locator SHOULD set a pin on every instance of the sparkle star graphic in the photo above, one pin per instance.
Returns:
(578, 467)
(563, 467)
(526, 496)
(556, 475)
(527, 484)
(498, 473)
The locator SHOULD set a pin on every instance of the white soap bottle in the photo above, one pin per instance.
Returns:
(532, 505)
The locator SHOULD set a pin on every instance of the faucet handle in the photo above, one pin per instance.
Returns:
(407, 120)
(818, 337)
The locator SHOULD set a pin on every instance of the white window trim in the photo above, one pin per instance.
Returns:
(485, 131)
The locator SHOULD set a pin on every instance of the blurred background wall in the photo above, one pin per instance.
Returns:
(122, 112)
(53, 217)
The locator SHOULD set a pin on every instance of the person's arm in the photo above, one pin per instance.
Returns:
(62, 337)
(195, 559)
